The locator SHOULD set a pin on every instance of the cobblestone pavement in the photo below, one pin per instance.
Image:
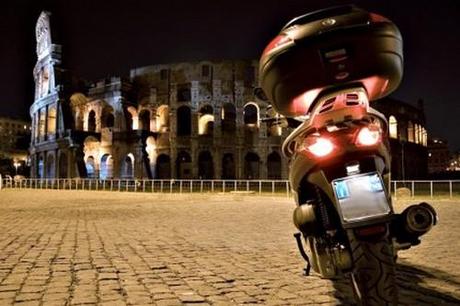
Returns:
(74, 247)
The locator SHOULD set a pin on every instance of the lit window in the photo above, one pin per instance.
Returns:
(393, 127)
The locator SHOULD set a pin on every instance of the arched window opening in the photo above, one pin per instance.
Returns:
(206, 121)
(251, 166)
(205, 165)
(40, 167)
(144, 120)
(131, 119)
(184, 121)
(92, 121)
(50, 166)
(51, 128)
(151, 149)
(63, 165)
(90, 167)
(228, 167)
(41, 124)
(163, 167)
(106, 167)
(163, 119)
(393, 125)
(79, 120)
(274, 166)
(251, 115)
(108, 119)
(184, 165)
(425, 137)
(228, 118)
(127, 167)
(410, 132)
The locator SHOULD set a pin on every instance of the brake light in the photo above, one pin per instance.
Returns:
(277, 42)
(320, 146)
(368, 136)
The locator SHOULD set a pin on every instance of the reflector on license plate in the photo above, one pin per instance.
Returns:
(361, 197)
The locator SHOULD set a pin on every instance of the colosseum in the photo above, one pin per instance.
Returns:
(176, 121)
(184, 120)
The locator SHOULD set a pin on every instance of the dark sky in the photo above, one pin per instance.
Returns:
(103, 38)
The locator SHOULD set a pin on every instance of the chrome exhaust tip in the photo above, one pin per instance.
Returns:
(418, 219)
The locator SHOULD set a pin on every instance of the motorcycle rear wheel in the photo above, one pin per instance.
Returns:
(373, 277)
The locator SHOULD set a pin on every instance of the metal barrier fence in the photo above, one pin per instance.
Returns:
(427, 189)
(418, 188)
(280, 187)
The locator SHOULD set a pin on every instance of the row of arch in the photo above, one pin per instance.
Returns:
(44, 122)
(251, 168)
(158, 121)
(415, 133)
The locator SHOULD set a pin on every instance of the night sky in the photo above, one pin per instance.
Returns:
(102, 38)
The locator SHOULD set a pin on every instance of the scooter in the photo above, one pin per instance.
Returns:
(323, 69)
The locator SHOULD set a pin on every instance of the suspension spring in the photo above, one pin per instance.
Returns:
(322, 209)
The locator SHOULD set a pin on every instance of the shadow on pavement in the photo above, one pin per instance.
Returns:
(428, 285)
(417, 286)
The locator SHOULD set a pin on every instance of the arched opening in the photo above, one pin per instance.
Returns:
(92, 121)
(51, 127)
(251, 115)
(144, 120)
(410, 132)
(206, 120)
(228, 167)
(127, 167)
(163, 119)
(163, 167)
(50, 166)
(106, 167)
(41, 124)
(40, 167)
(107, 118)
(205, 165)
(79, 120)
(184, 165)
(251, 166)
(274, 166)
(131, 118)
(228, 118)
(63, 165)
(184, 121)
(418, 134)
(90, 167)
(393, 125)
(151, 150)
(425, 137)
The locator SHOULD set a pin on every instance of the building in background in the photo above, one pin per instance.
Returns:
(184, 120)
(439, 158)
(408, 137)
(14, 143)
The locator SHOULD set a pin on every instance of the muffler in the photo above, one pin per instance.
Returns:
(304, 219)
(415, 221)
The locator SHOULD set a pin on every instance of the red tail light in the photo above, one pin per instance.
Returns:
(319, 146)
(368, 136)
(277, 42)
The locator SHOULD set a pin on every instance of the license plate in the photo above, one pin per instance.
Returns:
(361, 197)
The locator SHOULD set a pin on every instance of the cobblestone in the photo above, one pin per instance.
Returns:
(101, 248)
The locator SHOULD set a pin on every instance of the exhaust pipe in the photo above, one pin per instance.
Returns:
(415, 221)
(305, 219)
(419, 218)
